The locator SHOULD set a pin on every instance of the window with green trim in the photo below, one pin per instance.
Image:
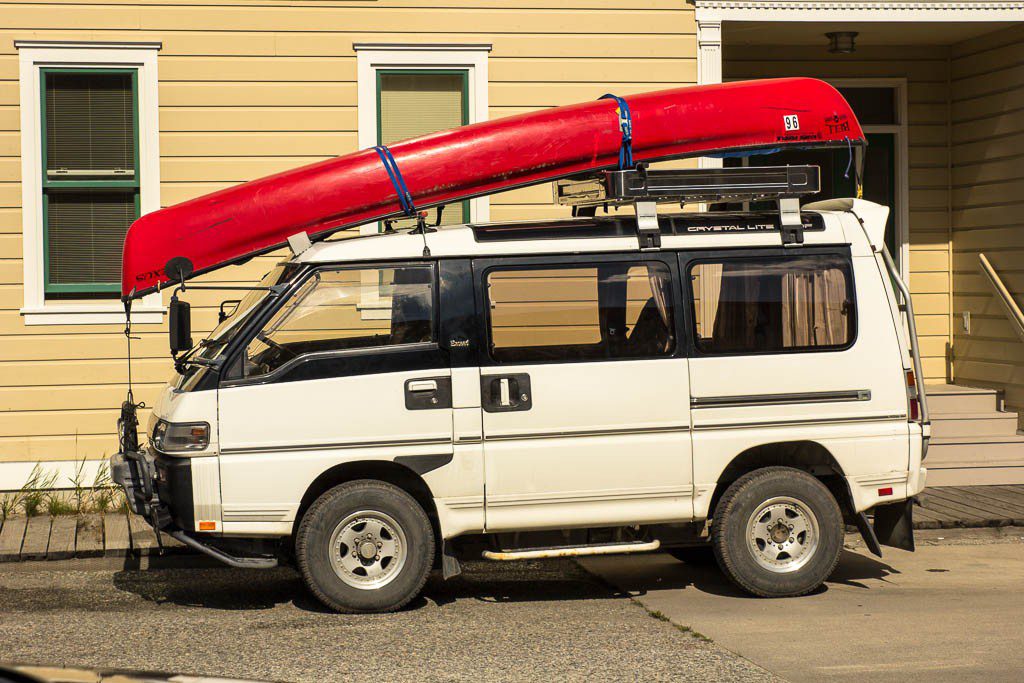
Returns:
(90, 181)
(414, 102)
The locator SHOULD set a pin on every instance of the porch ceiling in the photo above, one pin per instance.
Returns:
(869, 33)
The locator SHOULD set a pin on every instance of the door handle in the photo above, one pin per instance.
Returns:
(427, 393)
(505, 393)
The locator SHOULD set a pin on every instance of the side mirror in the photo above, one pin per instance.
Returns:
(180, 319)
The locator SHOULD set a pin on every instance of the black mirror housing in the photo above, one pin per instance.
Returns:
(180, 322)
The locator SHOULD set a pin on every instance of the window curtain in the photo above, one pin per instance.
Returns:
(737, 314)
(814, 308)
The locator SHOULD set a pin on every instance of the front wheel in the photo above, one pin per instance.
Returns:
(365, 546)
(777, 532)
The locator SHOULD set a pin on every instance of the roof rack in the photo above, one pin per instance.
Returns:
(645, 189)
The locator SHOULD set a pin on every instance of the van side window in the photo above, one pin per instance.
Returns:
(578, 313)
(342, 310)
(773, 305)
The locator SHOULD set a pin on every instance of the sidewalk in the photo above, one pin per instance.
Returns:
(118, 535)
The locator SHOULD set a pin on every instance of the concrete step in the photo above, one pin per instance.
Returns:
(951, 398)
(975, 476)
(976, 451)
(973, 424)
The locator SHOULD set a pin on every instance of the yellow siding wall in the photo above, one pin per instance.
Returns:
(926, 69)
(249, 88)
(988, 206)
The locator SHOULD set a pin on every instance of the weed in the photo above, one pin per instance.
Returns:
(34, 490)
(58, 504)
(683, 629)
(9, 503)
(78, 484)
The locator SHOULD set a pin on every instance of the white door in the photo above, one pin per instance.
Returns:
(347, 369)
(584, 392)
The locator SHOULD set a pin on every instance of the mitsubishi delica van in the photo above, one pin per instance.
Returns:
(740, 383)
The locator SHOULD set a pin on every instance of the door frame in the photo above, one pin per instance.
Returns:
(902, 158)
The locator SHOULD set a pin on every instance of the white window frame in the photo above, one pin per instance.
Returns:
(36, 55)
(373, 56)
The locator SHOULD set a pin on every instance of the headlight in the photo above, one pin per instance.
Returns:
(169, 437)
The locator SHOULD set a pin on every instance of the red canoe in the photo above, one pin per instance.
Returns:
(233, 224)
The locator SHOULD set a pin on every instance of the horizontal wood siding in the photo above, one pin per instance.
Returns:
(251, 87)
(988, 206)
(926, 69)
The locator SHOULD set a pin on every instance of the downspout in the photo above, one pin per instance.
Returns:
(950, 355)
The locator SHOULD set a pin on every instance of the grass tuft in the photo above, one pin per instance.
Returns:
(58, 503)
(38, 496)
(679, 627)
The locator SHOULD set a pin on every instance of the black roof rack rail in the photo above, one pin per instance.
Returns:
(645, 189)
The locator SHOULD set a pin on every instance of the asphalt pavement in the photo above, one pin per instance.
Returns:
(952, 611)
(498, 622)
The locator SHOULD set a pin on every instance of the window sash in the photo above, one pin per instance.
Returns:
(126, 185)
(464, 73)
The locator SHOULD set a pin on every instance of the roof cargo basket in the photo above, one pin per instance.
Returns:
(646, 188)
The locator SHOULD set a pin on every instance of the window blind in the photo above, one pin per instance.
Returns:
(85, 233)
(414, 104)
(89, 124)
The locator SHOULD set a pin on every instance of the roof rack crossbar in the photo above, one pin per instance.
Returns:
(646, 188)
(689, 185)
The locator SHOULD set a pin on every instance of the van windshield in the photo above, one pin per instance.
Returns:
(227, 328)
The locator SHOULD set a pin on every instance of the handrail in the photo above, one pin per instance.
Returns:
(915, 349)
(1013, 311)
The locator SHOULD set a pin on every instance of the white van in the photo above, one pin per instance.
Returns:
(738, 383)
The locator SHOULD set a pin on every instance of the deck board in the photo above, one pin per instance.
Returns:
(37, 538)
(143, 537)
(89, 542)
(116, 541)
(11, 536)
(982, 506)
(62, 538)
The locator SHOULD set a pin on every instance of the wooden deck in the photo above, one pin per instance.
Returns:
(64, 537)
(120, 535)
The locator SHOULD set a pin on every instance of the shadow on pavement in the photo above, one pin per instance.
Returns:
(520, 582)
(244, 589)
(642, 574)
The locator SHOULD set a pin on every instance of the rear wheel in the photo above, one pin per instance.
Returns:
(777, 532)
(365, 546)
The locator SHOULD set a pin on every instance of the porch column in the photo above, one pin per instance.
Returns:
(709, 64)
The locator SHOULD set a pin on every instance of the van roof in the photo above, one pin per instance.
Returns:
(606, 233)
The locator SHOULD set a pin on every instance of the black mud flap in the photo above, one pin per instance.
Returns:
(868, 534)
(894, 524)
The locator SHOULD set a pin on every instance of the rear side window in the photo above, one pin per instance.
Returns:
(580, 312)
(773, 305)
(345, 310)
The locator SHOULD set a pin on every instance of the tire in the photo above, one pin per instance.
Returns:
(352, 518)
(697, 555)
(777, 532)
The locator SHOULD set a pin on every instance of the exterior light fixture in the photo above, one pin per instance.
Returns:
(841, 42)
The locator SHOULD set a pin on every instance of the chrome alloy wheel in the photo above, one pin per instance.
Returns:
(368, 549)
(782, 534)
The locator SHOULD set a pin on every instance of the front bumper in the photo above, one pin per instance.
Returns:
(136, 473)
(159, 489)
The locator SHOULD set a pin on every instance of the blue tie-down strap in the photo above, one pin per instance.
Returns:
(391, 166)
(626, 126)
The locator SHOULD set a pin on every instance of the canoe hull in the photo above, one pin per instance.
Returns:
(257, 216)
